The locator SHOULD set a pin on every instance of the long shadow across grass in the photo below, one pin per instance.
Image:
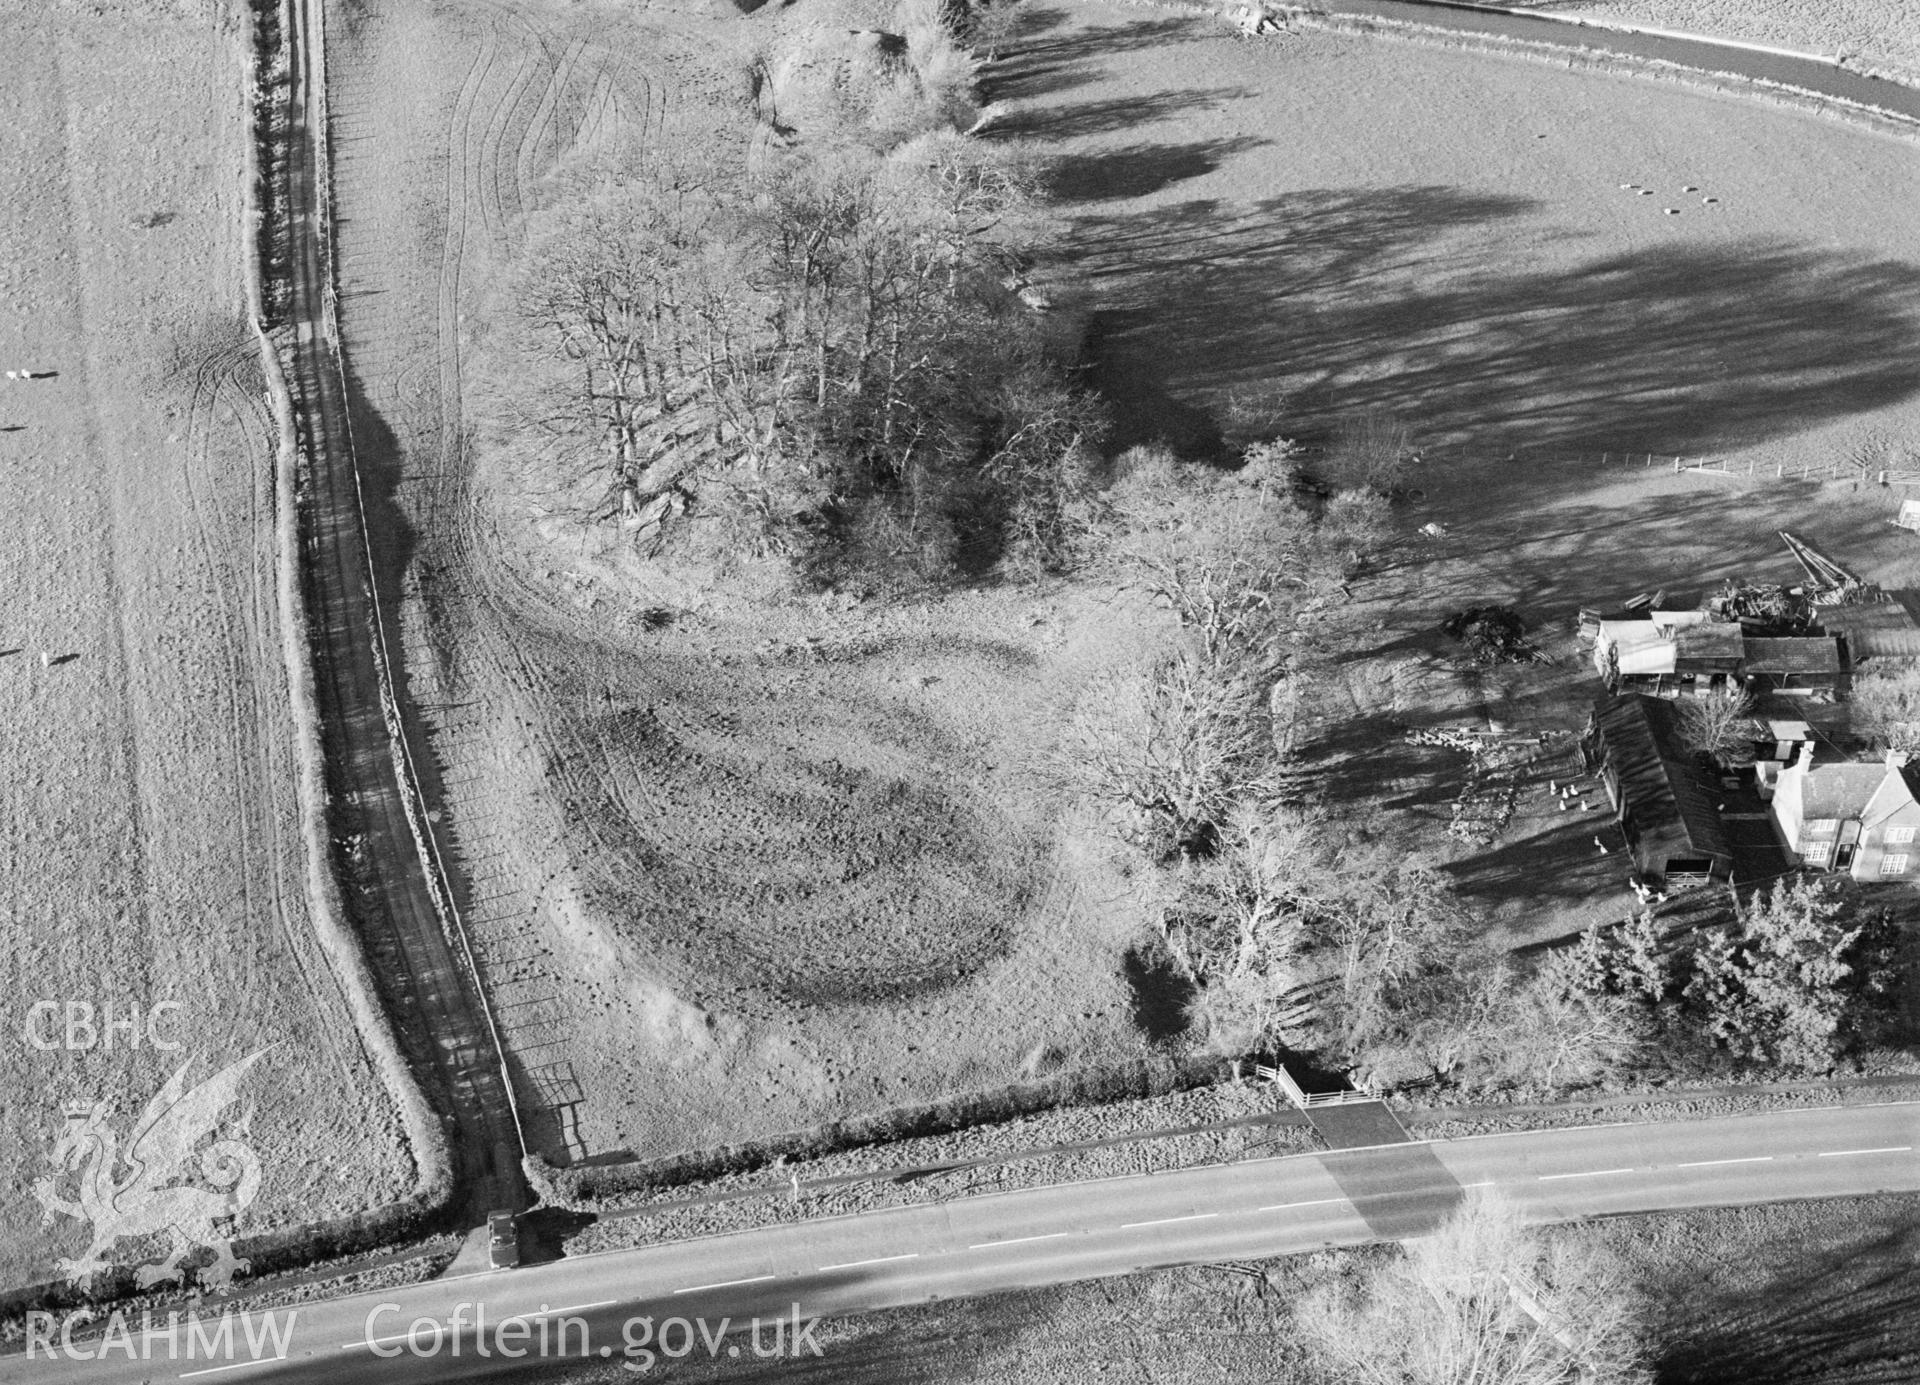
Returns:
(1046, 56)
(1846, 1317)
(1358, 299)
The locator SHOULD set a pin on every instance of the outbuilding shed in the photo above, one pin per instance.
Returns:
(1664, 803)
(1876, 629)
(1799, 664)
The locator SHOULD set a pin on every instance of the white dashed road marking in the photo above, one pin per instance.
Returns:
(1167, 1221)
(1716, 1163)
(1017, 1241)
(724, 1284)
(1287, 1206)
(236, 1366)
(370, 1342)
(878, 1260)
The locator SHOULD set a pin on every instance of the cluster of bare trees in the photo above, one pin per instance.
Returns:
(1180, 746)
(1291, 929)
(829, 333)
(1296, 936)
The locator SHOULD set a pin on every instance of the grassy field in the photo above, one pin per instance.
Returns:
(1251, 221)
(152, 852)
(779, 856)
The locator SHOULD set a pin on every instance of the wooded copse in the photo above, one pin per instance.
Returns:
(1291, 930)
(1297, 937)
(1809, 972)
(821, 346)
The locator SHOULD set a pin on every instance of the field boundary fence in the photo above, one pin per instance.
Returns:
(1854, 469)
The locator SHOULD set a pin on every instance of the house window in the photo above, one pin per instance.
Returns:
(1822, 827)
(1899, 835)
(1893, 865)
(1816, 853)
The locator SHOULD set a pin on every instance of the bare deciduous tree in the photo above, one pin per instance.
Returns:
(1235, 923)
(1179, 745)
(1371, 452)
(1718, 722)
(1482, 1301)
(994, 23)
(1886, 704)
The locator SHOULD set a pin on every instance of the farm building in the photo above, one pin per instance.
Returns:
(1664, 652)
(1852, 817)
(1664, 803)
(1677, 653)
(1876, 629)
(1707, 654)
(1806, 664)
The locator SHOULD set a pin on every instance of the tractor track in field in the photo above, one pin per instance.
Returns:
(521, 92)
(244, 581)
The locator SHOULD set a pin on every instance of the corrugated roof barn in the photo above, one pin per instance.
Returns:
(1709, 647)
(1665, 805)
(1789, 663)
(1877, 629)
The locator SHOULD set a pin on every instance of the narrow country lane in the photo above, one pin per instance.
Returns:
(394, 884)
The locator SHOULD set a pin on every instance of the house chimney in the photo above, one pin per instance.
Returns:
(1897, 759)
(1804, 760)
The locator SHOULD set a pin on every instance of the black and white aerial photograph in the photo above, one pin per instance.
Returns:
(960, 692)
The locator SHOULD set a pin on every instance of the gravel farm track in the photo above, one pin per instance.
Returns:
(393, 865)
(511, 97)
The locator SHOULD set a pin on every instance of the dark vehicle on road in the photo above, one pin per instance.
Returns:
(503, 1241)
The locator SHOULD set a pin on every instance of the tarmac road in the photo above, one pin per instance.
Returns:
(582, 1308)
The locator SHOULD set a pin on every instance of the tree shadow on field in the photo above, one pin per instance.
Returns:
(1200, 278)
(1351, 300)
(1140, 170)
(1046, 57)
(1587, 554)
(1852, 1319)
(1112, 115)
(1558, 862)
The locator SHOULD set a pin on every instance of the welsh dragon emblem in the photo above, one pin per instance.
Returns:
(148, 1188)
